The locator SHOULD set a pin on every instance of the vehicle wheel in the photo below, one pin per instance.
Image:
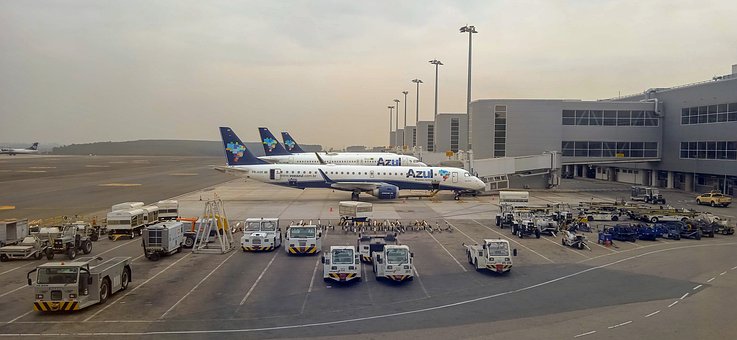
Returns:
(698, 201)
(684, 219)
(654, 220)
(179, 249)
(49, 254)
(87, 247)
(519, 233)
(71, 253)
(476, 265)
(39, 255)
(590, 218)
(95, 236)
(188, 242)
(580, 246)
(615, 218)
(537, 234)
(563, 241)
(713, 204)
(154, 257)
(4, 258)
(104, 290)
(125, 278)
(133, 234)
(468, 255)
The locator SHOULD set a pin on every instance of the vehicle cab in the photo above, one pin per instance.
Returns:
(394, 263)
(261, 234)
(341, 264)
(303, 239)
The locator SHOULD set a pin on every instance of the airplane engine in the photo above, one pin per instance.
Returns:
(386, 192)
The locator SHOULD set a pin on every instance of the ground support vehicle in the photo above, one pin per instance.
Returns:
(600, 215)
(355, 211)
(492, 254)
(87, 229)
(514, 198)
(714, 198)
(707, 228)
(163, 238)
(646, 232)
(525, 227)
(127, 206)
(261, 234)
(605, 237)
(394, 262)
(668, 230)
(623, 232)
(547, 225)
(725, 229)
(368, 244)
(78, 284)
(341, 264)
(31, 247)
(168, 210)
(505, 220)
(574, 240)
(125, 223)
(71, 242)
(13, 231)
(686, 230)
(150, 214)
(647, 195)
(303, 239)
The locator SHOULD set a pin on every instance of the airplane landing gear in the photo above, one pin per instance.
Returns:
(354, 196)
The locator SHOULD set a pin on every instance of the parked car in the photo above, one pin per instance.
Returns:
(714, 199)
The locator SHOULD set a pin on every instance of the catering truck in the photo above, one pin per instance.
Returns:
(168, 209)
(355, 211)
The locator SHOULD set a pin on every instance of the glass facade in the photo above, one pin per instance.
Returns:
(609, 149)
(709, 150)
(454, 133)
(610, 118)
(720, 113)
(500, 131)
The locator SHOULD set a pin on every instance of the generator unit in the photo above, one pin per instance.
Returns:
(163, 238)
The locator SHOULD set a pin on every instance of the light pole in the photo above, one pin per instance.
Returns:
(417, 105)
(404, 140)
(470, 30)
(436, 63)
(396, 121)
(390, 124)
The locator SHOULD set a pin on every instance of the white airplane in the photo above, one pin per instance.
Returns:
(10, 151)
(276, 153)
(381, 182)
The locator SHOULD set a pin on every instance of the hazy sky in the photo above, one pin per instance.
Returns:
(80, 71)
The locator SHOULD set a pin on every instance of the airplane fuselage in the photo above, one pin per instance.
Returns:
(367, 159)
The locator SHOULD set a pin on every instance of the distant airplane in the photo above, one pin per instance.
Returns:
(10, 151)
(381, 182)
(276, 153)
(290, 143)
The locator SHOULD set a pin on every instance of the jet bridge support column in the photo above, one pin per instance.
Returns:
(669, 180)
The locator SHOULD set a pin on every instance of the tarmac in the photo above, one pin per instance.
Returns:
(647, 289)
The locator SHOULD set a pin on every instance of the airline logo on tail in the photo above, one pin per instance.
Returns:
(236, 149)
(270, 143)
(290, 144)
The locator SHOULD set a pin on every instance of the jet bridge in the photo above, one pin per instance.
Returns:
(523, 171)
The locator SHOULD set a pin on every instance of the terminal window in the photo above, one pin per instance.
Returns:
(431, 137)
(726, 150)
(610, 118)
(609, 149)
(454, 134)
(719, 113)
(500, 130)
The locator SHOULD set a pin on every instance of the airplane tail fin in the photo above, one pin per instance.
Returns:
(235, 150)
(34, 146)
(290, 143)
(272, 147)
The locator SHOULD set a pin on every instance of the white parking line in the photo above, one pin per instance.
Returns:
(621, 324)
(673, 304)
(136, 288)
(511, 239)
(735, 267)
(722, 273)
(461, 231)
(653, 313)
(684, 296)
(584, 334)
(19, 267)
(14, 290)
(312, 283)
(564, 247)
(446, 250)
(422, 285)
(709, 280)
(697, 287)
(16, 319)
(258, 279)
(198, 284)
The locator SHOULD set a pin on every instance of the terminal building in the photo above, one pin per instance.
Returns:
(682, 137)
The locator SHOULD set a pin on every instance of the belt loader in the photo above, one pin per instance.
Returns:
(303, 239)
(394, 262)
(341, 264)
(261, 234)
(493, 254)
(77, 284)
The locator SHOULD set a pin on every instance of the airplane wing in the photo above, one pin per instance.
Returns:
(351, 186)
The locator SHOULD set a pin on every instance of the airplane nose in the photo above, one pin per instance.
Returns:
(421, 164)
(480, 185)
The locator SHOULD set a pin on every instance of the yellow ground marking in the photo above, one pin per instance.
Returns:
(7, 207)
(184, 174)
(31, 171)
(119, 185)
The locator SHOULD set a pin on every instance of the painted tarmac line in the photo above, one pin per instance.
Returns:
(373, 317)
(562, 246)
(446, 250)
(735, 267)
(198, 284)
(653, 313)
(16, 319)
(722, 273)
(697, 287)
(19, 267)
(513, 240)
(684, 296)
(14, 290)
(309, 290)
(673, 304)
(461, 231)
(136, 287)
(258, 279)
(584, 334)
(709, 280)
(620, 325)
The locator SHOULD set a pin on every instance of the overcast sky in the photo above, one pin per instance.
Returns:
(82, 71)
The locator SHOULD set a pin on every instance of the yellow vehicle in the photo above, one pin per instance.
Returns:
(714, 198)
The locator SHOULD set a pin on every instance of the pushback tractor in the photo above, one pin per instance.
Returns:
(492, 254)
(303, 239)
(261, 234)
(78, 284)
(341, 264)
(394, 263)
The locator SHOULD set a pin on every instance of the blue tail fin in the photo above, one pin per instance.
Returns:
(290, 143)
(34, 146)
(272, 147)
(235, 150)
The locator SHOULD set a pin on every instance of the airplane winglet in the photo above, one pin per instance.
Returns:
(319, 159)
(325, 177)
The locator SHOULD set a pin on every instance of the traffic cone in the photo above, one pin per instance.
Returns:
(331, 209)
